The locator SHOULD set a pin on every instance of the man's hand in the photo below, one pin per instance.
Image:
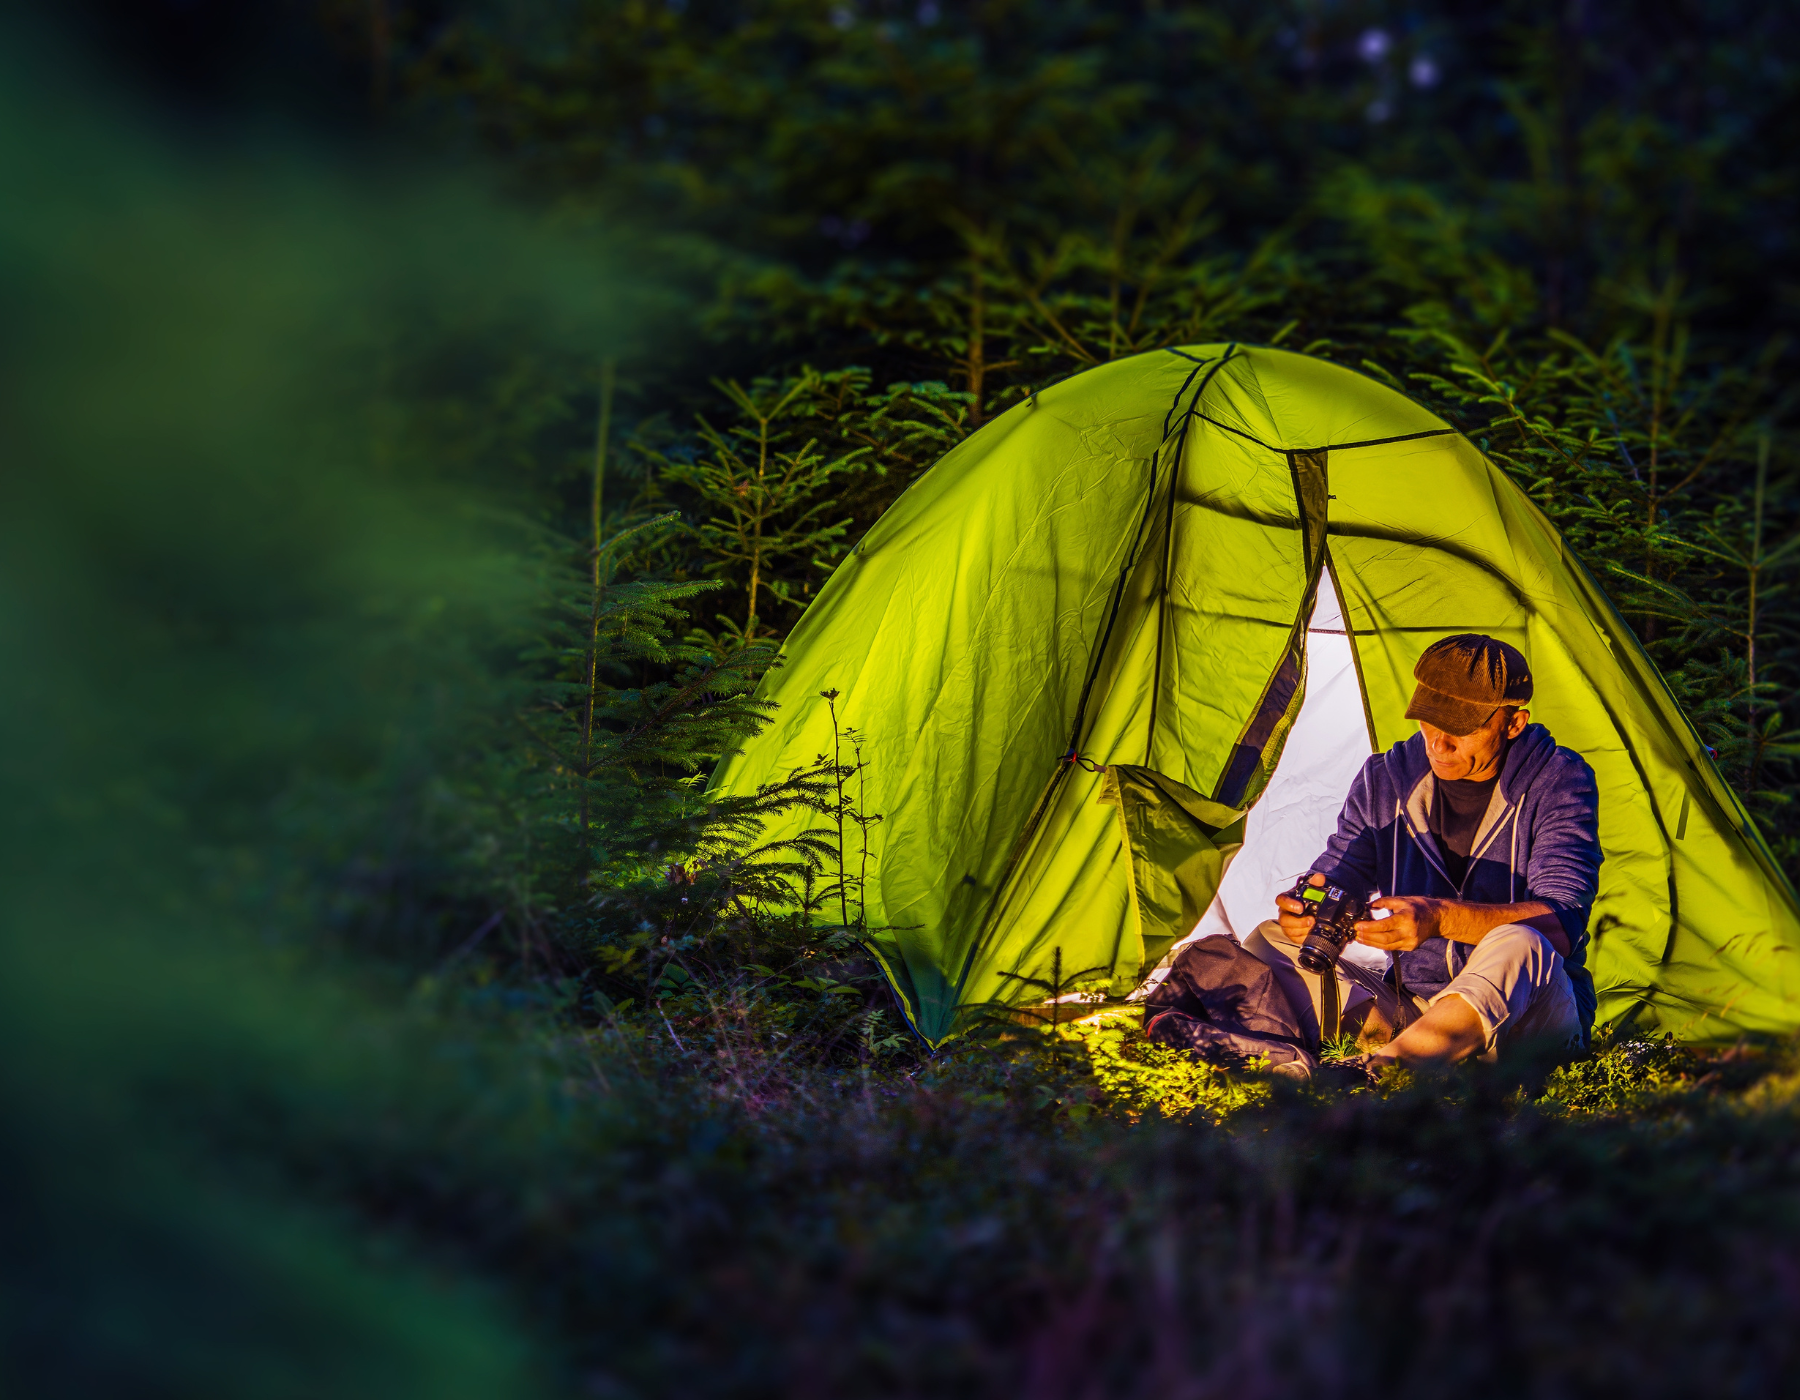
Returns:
(1291, 914)
(1413, 919)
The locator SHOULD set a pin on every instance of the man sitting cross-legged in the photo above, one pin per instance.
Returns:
(1482, 836)
(1477, 838)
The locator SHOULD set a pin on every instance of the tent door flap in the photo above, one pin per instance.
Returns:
(1177, 844)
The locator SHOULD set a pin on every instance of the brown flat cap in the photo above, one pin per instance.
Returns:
(1464, 679)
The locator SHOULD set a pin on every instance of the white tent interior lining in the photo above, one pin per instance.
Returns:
(1298, 811)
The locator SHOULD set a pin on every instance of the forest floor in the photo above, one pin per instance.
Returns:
(1082, 1213)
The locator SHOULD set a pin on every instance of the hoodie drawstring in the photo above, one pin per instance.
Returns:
(1394, 874)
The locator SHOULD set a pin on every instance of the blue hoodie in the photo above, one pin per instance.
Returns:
(1539, 841)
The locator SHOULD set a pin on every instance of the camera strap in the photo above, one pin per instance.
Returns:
(1330, 1007)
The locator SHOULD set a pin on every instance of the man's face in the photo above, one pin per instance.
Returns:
(1476, 756)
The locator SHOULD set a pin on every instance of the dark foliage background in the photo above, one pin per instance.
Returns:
(426, 420)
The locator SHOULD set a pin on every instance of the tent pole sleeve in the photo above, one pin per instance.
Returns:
(1362, 688)
(1163, 623)
(1267, 726)
(1004, 889)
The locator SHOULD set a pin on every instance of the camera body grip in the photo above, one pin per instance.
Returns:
(1335, 915)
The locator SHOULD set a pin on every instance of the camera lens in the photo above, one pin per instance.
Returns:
(1315, 959)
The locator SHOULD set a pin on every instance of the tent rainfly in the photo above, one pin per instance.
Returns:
(1078, 648)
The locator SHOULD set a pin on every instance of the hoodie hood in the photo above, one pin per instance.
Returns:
(1409, 769)
(1539, 840)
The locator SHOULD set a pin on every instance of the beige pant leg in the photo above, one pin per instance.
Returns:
(1515, 983)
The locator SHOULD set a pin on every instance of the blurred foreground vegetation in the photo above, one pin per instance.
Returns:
(388, 551)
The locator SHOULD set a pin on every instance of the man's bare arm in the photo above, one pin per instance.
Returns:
(1413, 919)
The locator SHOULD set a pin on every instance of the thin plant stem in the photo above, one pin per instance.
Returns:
(756, 545)
(602, 431)
(862, 822)
(837, 773)
(974, 362)
(1753, 752)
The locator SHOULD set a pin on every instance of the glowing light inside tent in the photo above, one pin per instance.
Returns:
(1298, 811)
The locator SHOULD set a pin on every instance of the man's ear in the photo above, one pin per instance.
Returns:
(1520, 719)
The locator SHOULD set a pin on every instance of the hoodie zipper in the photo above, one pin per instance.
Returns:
(1509, 815)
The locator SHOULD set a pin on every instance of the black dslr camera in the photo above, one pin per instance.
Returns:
(1335, 916)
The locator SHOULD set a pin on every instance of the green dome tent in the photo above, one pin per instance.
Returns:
(1076, 647)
